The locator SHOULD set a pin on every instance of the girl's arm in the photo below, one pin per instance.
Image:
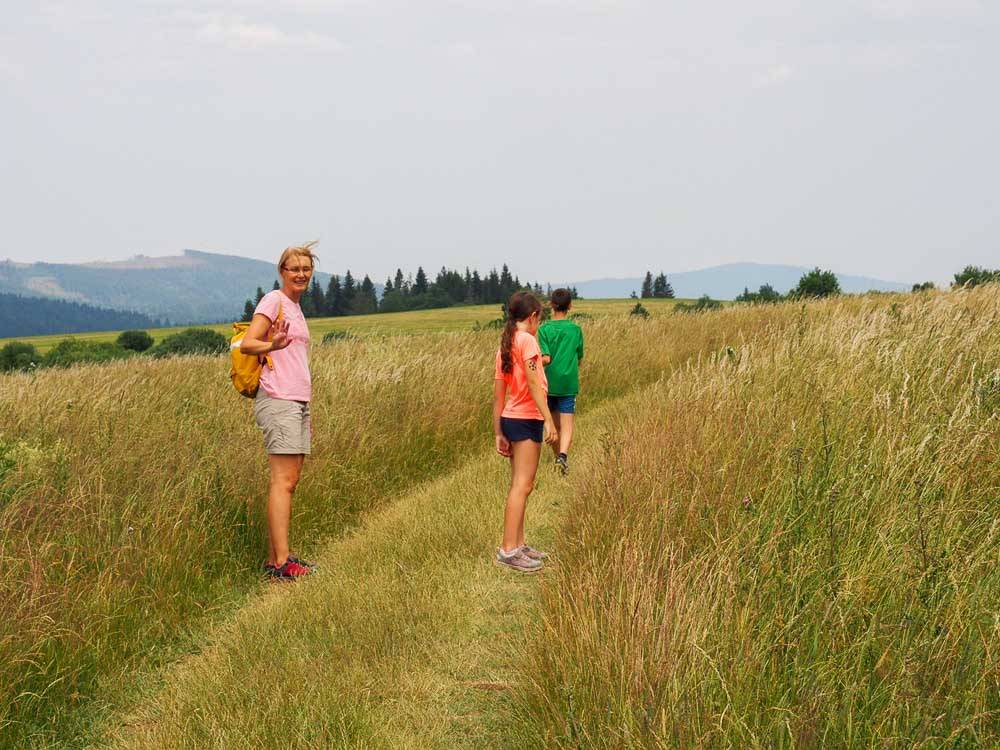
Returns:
(538, 396)
(499, 396)
(263, 336)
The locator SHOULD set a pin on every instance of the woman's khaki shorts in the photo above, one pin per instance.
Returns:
(285, 424)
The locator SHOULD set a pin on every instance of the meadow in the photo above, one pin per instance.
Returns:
(442, 320)
(780, 531)
(792, 544)
(129, 493)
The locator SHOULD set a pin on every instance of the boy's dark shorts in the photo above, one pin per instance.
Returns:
(562, 404)
(516, 430)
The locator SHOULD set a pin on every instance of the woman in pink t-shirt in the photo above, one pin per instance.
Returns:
(279, 330)
(521, 422)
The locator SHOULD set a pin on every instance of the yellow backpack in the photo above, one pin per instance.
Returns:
(246, 369)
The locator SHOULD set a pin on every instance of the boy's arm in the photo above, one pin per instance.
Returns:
(538, 396)
(543, 345)
(579, 361)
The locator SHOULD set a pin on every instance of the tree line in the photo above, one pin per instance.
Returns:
(346, 296)
(655, 288)
(38, 316)
(818, 283)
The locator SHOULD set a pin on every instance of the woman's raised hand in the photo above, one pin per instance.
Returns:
(279, 335)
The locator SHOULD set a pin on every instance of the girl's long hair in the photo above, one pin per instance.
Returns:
(520, 307)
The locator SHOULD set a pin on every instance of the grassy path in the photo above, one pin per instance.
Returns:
(398, 642)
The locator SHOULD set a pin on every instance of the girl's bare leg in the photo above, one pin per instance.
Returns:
(524, 465)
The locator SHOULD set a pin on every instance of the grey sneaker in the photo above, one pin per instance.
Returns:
(534, 554)
(563, 465)
(518, 561)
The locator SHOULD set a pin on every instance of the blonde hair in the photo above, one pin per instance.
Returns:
(304, 251)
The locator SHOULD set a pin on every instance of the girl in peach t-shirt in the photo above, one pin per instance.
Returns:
(521, 422)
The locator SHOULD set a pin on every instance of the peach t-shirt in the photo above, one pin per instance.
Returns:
(520, 404)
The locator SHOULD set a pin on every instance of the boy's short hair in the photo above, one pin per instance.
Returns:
(561, 299)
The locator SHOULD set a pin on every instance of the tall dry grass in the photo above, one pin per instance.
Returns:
(130, 493)
(391, 645)
(792, 543)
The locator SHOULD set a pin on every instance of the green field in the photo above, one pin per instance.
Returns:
(419, 321)
(779, 531)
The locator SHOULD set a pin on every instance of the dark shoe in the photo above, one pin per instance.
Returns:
(563, 463)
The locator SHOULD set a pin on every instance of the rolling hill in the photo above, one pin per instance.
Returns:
(201, 287)
(196, 287)
(728, 281)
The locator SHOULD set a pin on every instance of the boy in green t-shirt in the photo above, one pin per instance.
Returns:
(561, 342)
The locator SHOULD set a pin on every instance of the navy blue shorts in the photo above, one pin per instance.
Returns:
(516, 430)
(562, 404)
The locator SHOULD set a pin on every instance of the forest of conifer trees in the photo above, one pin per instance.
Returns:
(346, 296)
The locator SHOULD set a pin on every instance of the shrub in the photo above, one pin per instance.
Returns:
(137, 341)
(192, 341)
(704, 304)
(493, 325)
(816, 283)
(75, 351)
(330, 336)
(765, 295)
(639, 311)
(971, 276)
(18, 355)
(925, 287)
(581, 317)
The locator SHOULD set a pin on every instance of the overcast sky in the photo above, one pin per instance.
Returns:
(574, 139)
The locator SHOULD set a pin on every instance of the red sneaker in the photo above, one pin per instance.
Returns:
(290, 571)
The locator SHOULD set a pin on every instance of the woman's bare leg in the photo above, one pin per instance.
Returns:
(285, 472)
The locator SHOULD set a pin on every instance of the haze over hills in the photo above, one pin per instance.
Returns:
(727, 281)
(203, 287)
(196, 287)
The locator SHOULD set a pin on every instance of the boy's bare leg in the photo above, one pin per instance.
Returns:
(564, 423)
(557, 420)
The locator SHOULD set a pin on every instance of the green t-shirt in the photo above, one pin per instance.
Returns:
(563, 341)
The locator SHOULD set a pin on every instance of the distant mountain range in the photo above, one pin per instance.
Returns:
(726, 282)
(195, 287)
(202, 287)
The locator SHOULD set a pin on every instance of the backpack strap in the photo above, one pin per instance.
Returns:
(281, 314)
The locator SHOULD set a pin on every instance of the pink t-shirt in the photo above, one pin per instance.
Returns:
(520, 404)
(289, 380)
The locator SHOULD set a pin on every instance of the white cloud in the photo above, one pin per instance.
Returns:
(899, 9)
(461, 49)
(11, 71)
(776, 75)
(245, 35)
